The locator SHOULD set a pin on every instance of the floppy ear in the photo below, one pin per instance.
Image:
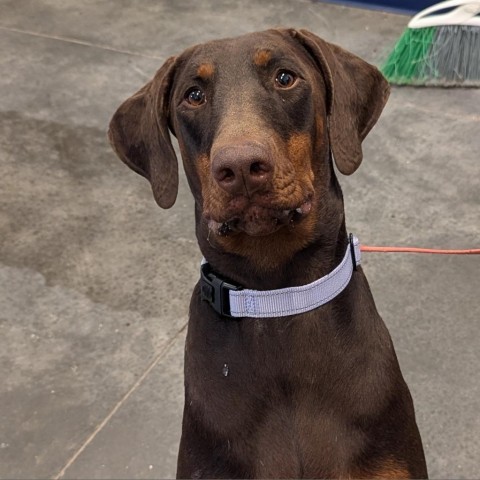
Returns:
(139, 135)
(356, 95)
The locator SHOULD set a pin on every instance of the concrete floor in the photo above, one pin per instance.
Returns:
(95, 279)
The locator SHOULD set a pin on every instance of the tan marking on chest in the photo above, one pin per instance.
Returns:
(390, 468)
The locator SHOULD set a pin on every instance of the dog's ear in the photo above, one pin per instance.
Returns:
(356, 95)
(139, 135)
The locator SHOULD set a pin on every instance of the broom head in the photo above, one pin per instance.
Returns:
(436, 56)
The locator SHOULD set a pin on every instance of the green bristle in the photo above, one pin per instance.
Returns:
(405, 64)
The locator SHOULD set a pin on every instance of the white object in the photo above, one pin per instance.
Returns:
(464, 12)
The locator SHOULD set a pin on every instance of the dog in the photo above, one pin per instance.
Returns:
(277, 384)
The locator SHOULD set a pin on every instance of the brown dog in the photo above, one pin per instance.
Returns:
(314, 394)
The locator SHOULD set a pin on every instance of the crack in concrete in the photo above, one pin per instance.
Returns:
(122, 401)
(79, 42)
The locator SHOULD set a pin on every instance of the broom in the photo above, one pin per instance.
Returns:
(440, 47)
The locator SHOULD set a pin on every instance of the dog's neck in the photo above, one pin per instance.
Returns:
(305, 266)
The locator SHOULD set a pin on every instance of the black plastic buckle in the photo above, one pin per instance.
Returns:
(352, 251)
(215, 290)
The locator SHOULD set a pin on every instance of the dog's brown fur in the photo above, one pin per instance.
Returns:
(319, 394)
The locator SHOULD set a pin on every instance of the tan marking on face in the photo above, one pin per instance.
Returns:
(203, 170)
(214, 198)
(320, 124)
(205, 71)
(299, 150)
(262, 57)
(321, 135)
(299, 146)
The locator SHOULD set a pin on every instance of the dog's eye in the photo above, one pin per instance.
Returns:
(285, 79)
(195, 96)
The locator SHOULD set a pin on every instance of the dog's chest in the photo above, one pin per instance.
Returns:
(285, 393)
(285, 427)
(275, 368)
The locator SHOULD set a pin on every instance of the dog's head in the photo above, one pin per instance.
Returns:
(255, 118)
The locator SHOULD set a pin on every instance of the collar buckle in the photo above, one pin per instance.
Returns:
(351, 241)
(216, 291)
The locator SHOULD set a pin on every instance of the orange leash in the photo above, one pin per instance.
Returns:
(367, 248)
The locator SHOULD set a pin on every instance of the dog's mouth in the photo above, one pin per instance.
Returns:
(257, 220)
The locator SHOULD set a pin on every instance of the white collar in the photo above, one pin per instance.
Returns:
(233, 301)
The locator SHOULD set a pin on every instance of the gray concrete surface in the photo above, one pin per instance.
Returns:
(95, 279)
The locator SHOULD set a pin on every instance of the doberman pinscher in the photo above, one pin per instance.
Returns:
(309, 389)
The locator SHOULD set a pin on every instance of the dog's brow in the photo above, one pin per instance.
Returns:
(262, 57)
(205, 71)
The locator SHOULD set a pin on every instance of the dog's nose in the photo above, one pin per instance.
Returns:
(244, 168)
